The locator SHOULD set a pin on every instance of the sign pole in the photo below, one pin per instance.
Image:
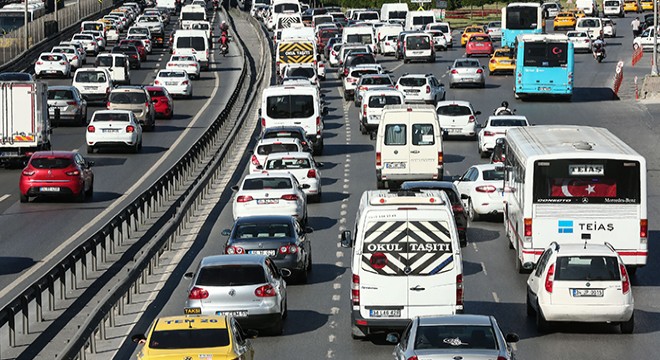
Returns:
(654, 66)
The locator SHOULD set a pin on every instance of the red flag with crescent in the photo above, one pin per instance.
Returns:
(583, 188)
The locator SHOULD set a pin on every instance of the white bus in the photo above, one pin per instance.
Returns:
(573, 184)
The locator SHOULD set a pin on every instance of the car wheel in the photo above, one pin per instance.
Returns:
(90, 149)
(24, 198)
(363, 129)
(80, 197)
(135, 148)
(302, 276)
(90, 192)
(542, 325)
(285, 313)
(627, 327)
(530, 310)
(473, 215)
(278, 327)
(380, 184)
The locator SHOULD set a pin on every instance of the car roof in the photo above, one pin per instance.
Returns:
(585, 249)
(243, 259)
(460, 319)
(128, 88)
(383, 90)
(507, 117)
(192, 323)
(414, 76)
(483, 167)
(292, 154)
(49, 153)
(61, 87)
(428, 185)
(452, 102)
(278, 140)
(268, 175)
(261, 219)
(111, 112)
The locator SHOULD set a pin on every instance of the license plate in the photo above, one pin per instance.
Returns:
(192, 311)
(110, 130)
(268, 201)
(418, 52)
(587, 292)
(480, 45)
(411, 91)
(89, 87)
(395, 165)
(49, 189)
(237, 313)
(385, 313)
(453, 130)
(505, 62)
(544, 88)
(262, 252)
(170, 83)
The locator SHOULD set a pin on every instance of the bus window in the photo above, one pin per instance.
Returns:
(545, 54)
(521, 18)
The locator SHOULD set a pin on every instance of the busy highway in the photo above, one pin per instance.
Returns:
(318, 323)
(36, 234)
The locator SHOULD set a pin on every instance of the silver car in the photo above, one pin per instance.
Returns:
(69, 103)
(453, 337)
(248, 287)
(494, 29)
(467, 72)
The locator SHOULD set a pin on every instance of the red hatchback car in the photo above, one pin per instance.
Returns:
(479, 44)
(139, 45)
(57, 173)
(163, 102)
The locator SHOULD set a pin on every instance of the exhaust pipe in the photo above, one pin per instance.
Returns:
(285, 272)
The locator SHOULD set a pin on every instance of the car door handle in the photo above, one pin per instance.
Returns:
(414, 151)
(417, 288)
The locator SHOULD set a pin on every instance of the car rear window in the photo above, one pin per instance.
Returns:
(156, 93)
(267, 183)
(508, 122)
(268, 149)
(380, 101)
(91, 77)
(494, 174)
(359, 73)
(187, 42)
(418, 42)
(412, 81)
(361, 59)
(128, 97)
(52, 57)
(189, 339)
(60, 94)
(455, 337)
(290, 106)
(171, 74)
(480, 39)
(454, 110)
(395, 134)
(359, 38)
(585, 268)
(51, 163)
(105, 61)
(255, 231)
(288, 164)
(231, 275)
(377, 80)
(301, 71)
(111, 117)
(283, 134)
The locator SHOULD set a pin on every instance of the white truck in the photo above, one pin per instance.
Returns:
(24, 124)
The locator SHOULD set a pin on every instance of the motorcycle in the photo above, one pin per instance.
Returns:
(224, 49)
(216, 5)
(599, 54)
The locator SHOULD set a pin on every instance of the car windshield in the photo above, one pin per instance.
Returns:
(231, 275)
(508, 122)
(51, 162)
(256, 231)
(454, 110)
(109, 116)
(493, 174)
(380, 101)
(117, 97)
(267, 183)
(91, 76)
(587, 268)
(283, 134)
(455, 337)
(412, 81)
(60, 94)
(376, 80)
(577, 35)
(288, 164)
(105, 61)
(189, 339)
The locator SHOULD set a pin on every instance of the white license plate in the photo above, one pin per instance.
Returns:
(587, 292)
(268, 201)
(505, 62)
(49, 189)
(418, 52)
(238, 313)
(89, 87)
(110, 130)
(171, 83)
(411, 91)
(453, 131)
(395, 165)
(544, 88)
(385, 313)
(262, 252)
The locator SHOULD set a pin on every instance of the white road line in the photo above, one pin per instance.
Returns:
(336, 286)
(495, 297)
(4, 197)
(66, 243)
(483, 267)
(474, 245)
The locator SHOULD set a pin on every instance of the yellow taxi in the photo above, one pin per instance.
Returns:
(646, 5)
(632, 6)
(195, 337)
(474, 29)
(502, 61)
(564, 20)
(578, 13)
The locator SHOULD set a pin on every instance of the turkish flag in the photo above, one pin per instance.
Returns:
(583, 188)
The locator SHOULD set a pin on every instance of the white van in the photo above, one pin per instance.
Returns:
(417, 20)
(192, 42)
(445, 28)
(372, 105)
(191, 13)
(359, 34)
(286, 105)
(368, 16)
(406, 260)
(418, 46)
(613, 8)
(94, 84)
(591, 25)
(117, 65)
(590, 7)
(408, 145)
(394, 11)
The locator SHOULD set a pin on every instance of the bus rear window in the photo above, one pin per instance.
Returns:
(549, 54)
(521, 18)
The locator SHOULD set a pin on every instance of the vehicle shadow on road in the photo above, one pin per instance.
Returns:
(330, 197)
(450, 158)
(332, 125)
(321, 222)
(303, 321)
(338, 149)
(328, 181)
(14, 264)
(322, 273)
(103, 196)
(477, 235)
(648, 275)
(153, 149)
(327, 165)
(107, 161)
(471, 268)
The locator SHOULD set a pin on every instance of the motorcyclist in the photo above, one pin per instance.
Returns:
(598, 45)
(224, 41)
(224, 27)
(503, 109)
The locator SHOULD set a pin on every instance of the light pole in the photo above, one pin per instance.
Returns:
(654, 67)
(25, 27)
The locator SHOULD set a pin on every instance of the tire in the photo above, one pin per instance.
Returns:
(346, 97)
(89, 193)
(80, 197)
(302, 276)
(518, 264)
(82, 120)
(90, 149)
(627, 327)
(473, 215)
(135, 148)
(380, 184)
(542, 325)
(285, 314)
(277, 328)
(24, 198)
(530, 310)
(363, 129)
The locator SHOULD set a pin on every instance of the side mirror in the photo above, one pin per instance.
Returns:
(308, 230)
(138, 338)
(259, 112)
(325, 111)
(464, 196)
(251, 333)
(512, 338)
(346, 239)
(226, 232)
(322, 96)
(234, 188)
(188, 275)
(442, 84)
(305, 186)
(448, 67)
(477, 112)
(392, 338)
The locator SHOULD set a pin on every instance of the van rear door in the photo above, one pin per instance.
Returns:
(394, 150)
(424, 146)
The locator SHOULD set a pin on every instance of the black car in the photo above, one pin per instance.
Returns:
(356, 58)
(277, 236)
(296, 132)
(16, 76)
(132, 52)
(460, 215)
(498, 155)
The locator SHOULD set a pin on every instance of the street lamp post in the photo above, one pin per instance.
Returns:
(654, 66)
(25, 27)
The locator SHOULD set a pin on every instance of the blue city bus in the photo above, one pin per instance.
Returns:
(544, 65)
(519, 19)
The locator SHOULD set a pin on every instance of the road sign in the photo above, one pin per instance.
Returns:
(440, 4)
(420, 1)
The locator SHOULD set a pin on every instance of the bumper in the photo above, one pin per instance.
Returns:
(502, 68)
(588, 313)
(34, 189)
(407, 177)
(469, 130)
(164, 110)
(377, 325)
(281, 209)
(113, 141)
(466, 80)
(178, 90)
(293, 263)
(264, 319)
(488, 205)
(95, 96)
(414, 98)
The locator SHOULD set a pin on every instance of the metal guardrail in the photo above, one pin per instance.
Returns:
(85, 258)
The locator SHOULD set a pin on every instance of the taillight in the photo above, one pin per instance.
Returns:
(643, 228)
(71, 103)
(193, 64)
(311, 173)
(254, 160)
(197, 293)
(130, 128)
(28, 172)
(528, 227)
(232, 250)
(440, 158)
(75, 57)
(485, 188)
(457, 208)
(414, 357)
(355, 290)
(288, 249)
(364, 110)
(156, 82)
(454, 71)
(428, 89)
(170, 64)
(91, 129)
(107, 105)
(73, 173)
(244, 198)
(378, 159)
(185, 82)
(378, 260)
(263, 122)
(265, 291)
(459, 289)
(479, 71)
(40, 63)
(625, 281)
(290, 197)
(492, 61)
(489, 133)
(549, 278)
(345, 71)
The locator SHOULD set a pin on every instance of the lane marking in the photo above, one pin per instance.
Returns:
(4, 197)
(474, 245)
(483, 267)
(495, 297)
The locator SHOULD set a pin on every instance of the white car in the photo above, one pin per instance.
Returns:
(372, 104)
(370, 82)
(52, 64)
(581, 40)
(98, 35)
(80, 48)
(457, 118)
(112, 33)
(306, 70)
(354, 74)
(494, 29)
(439, 40)
(586, 282)
(270, 194)
(421, 88)
(609, 27)
(302, 166)
(387, 45)
(265, 147)
(146, 41)
(176, 82)
(88, 41)
(187, 63)
(93, 83)
(482, 185)
(334, 54)
(495, 128)
(113, 128)
(71, 55)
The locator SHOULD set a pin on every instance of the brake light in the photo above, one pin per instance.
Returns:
(75, 57)
(91, 129)
(378, 260)
(625, 281)
(288, 249)
(244, 198)
(156, 82)
(170, 64)
(528, 227)
(457, 208)
(414, 357)
(231, 250)
(198, 293)
(440, 158)
(549, 278)
(318, 125)
(107, 105)
(345, 71)
(454, 71)
(73, 173)
(290, 197)
(364, 110)
(193, 64)
(485, 188)
(28, 172)
(643, 228)
(265, 291)
(40, 63)
(472, 119)
(459, 290)
(492, 61)
(255, 161)
(428, 89)
(71, 103)
(185, 82)
(311, 173)
(130, 128)
(489, 133)
(479, 71)
(378, 159)
(355, 290)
